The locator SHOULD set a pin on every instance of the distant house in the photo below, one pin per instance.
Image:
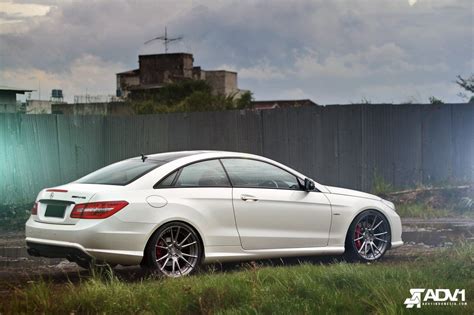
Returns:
(155, 71)
(126, 81)
(271, 104)
(8, 102)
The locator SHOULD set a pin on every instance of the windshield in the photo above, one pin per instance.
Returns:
(121, 173)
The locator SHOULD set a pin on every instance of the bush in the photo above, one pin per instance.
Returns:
(380, 186)
(187, 96)
(13, 217)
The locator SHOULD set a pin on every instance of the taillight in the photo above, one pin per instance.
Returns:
(34, 210)
(97, 210)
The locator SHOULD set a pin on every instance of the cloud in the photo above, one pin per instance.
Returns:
(388, 59)
(331, 51)
(87, 75)
(292, 93)
(262, 70)
(15, 17)
(405, 93)
(22, 10)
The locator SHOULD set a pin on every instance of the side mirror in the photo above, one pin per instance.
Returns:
(309, 185)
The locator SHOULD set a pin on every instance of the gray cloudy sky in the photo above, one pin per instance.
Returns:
(331, 51)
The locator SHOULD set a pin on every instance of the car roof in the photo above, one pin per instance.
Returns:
(171, 156)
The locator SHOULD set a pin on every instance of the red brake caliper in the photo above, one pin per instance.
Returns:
(358, 233)
(159, 250)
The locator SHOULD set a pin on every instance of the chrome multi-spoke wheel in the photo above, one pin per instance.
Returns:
(176, 250)
(369, 236)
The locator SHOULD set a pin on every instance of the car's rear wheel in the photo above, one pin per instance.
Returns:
(368, 237)
(175, 250)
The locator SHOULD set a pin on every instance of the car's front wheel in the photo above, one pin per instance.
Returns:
(174, 250)
(368, 237)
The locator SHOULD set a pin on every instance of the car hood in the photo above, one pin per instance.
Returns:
(350, 192)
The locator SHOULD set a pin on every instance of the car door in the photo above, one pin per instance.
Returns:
(271, 209)
(203, 192)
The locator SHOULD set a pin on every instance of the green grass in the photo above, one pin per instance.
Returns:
(419, 210)
(378, 288)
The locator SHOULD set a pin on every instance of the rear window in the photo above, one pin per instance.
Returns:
(121, 173)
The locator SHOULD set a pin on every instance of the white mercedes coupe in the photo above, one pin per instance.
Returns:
(175, 211)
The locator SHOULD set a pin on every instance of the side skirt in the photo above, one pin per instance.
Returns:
(236, 253)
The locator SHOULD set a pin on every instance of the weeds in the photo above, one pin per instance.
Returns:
(421, 210)
(380, 186)
(434, 202)
(13, 217)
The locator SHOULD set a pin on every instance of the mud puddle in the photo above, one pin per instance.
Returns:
(437, 233)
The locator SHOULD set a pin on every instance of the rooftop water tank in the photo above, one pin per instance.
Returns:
(56, 93)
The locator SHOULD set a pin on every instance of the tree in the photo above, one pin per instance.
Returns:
(245, 100)
(434, 100)
(467, 84)
(188, 96)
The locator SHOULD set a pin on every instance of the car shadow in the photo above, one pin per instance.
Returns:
(132, 274)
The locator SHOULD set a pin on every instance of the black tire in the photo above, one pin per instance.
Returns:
(174, 250)
(368, 237)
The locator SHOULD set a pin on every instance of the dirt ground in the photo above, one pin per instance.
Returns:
(421, 237)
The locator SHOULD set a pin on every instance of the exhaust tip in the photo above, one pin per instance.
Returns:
(32, 252)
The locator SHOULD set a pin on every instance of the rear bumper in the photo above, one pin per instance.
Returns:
(56, 251)
(109, 240)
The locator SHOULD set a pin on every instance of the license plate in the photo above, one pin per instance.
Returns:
(55, 211)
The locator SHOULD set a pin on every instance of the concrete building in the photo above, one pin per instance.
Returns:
(126, 81)
(157, 70)
(8, 101)
(112, 108)
(38, 107)
(222, 81)
(165, 68)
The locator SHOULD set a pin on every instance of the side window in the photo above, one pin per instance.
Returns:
(200, 174)
(252, 173)
(168, 181)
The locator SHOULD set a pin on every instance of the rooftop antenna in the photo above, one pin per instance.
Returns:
(166, 40)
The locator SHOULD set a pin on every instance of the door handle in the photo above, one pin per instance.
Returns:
(249, 198)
